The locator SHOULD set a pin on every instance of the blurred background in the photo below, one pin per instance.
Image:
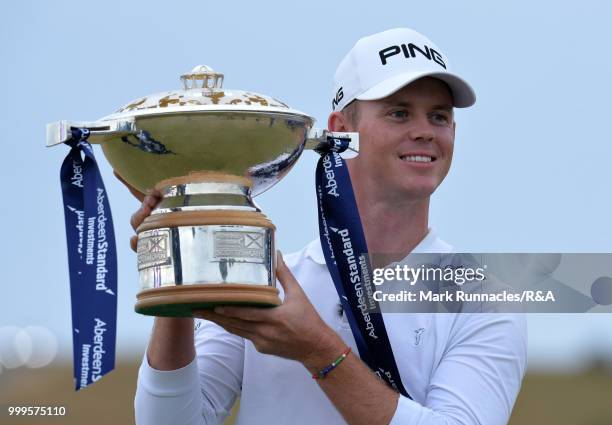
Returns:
(530, 174)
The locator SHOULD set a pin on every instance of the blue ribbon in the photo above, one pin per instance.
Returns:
(92, 261)
(346, 255)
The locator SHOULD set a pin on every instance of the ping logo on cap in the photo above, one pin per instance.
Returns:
(409, 50)
(380, 64)
(337, 99)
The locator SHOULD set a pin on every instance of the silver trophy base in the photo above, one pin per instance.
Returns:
(185, 301)
(197, 257)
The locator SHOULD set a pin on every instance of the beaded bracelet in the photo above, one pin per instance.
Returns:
(323, 372)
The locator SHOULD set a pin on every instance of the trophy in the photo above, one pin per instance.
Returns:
(209, 151)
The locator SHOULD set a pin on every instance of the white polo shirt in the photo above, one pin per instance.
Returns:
(458, 368)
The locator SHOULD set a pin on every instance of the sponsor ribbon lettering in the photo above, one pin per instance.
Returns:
(346, 255)
(92, 262)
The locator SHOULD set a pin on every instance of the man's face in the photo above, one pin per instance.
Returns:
(406, 140)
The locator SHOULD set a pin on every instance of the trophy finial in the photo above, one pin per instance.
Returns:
(202, 77)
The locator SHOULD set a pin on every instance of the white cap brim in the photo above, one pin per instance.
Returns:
(463, 94)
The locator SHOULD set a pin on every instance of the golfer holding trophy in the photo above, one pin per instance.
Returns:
(307, 351)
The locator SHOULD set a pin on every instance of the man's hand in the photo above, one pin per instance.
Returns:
(293, 330)
(149, 202)
(171, 346)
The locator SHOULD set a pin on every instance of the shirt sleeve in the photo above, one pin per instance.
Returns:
(479, 375)
(201, 393)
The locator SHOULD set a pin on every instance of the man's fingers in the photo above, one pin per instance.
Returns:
(220, 319)
(155, 196)
(149, 202)
(237, 325)
(152, 199)
(138, 217)
(134, 242)
(249, 314)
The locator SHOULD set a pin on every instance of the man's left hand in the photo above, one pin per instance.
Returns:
(293, 330)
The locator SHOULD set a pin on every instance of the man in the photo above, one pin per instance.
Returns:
(395, 89)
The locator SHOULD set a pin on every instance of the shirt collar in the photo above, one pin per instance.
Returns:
(429, 244)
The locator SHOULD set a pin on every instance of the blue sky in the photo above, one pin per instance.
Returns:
(532, 157)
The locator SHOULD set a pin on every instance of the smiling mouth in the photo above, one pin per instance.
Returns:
(417, 158)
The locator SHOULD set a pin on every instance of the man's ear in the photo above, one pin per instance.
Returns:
(337, 121)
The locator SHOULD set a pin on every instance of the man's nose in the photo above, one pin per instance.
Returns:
(421, 130)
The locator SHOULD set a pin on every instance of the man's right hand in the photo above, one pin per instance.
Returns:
(149, 202)
(171, 346)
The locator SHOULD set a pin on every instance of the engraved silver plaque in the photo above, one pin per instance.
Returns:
(154, 249)
(239, 245)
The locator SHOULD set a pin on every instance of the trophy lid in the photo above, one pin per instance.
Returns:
(200, 128)
(203, 90)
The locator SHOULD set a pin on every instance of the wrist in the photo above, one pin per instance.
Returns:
(172, 343)
(325, 371)
(329, 348)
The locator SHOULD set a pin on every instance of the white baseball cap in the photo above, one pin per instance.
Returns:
(381, 64)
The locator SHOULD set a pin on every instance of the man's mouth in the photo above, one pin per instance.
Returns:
(417, 158)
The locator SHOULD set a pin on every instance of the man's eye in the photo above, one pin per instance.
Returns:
(398, 114)
(441, 118)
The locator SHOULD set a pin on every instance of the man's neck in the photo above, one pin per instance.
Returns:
(392, 226)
